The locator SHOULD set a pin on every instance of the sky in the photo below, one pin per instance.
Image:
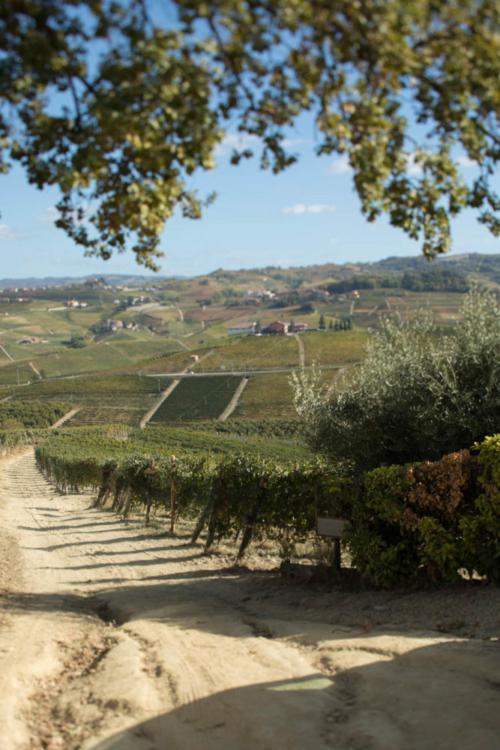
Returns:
(307, 215)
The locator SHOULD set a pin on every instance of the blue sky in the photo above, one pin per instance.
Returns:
(307, 215)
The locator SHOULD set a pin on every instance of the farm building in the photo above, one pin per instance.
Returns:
(241, 330)
(277, 327)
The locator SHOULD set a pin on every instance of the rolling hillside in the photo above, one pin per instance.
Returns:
(91, 342)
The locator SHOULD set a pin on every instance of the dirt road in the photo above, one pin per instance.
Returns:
(112, 637)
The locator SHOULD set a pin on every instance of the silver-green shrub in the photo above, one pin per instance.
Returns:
(419, 393)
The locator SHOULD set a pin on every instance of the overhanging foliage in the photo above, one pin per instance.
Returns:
(402, 89)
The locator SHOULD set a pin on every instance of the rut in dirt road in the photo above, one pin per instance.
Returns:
(123, 639)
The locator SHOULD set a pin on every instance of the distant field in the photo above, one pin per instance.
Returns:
(197, 398)
(150, 347)
(173, 363)
(266, 396)
(118, 399)
(174, 439)
(271, 397)
(105, 408)
(334, 348)
(93, 358)
(96, 384)
(445, 305)
(14, 373)
(21, 352)
(84, 318)
(253, 353)
(105, 356)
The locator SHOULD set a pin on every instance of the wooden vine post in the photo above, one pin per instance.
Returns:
(150, 474)
(172, 498)
(251, 520)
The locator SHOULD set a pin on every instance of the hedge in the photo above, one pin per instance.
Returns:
(429, 521)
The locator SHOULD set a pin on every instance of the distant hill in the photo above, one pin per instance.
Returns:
(485, 267)
(111, 279)
(465, 263)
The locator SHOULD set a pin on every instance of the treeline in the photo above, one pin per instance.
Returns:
(433, 280)
(31, 414)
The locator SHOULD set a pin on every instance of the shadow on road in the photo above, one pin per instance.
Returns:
(437, 696)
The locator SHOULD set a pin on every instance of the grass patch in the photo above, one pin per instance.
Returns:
(269, 395)
(253, 353)
(334, 348)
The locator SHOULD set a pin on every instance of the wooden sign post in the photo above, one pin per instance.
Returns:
(332, 527)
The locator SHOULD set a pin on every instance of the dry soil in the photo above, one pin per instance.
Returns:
(115, 637)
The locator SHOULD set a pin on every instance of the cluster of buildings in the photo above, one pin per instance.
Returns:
(143, 300)
(16, 299)
(257, 296)
(277, 327)
(74, 303)
(348, 295)
(30, 340)
(117, 325)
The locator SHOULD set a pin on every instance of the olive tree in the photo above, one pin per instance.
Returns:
(417, 395)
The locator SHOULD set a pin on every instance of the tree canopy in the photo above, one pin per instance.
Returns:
(118, 108)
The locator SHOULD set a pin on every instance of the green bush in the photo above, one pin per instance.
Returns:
(417, 396)
(428, 521)
(484, 529)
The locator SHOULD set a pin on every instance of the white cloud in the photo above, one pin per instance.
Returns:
(314, 208)
(413, 167)
(464, 161)
(49, 216)
(340, 165)
(289, 142)
(333, 241)
(6, 233)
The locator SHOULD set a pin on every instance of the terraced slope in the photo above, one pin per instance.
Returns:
(197, 398)
(266, 396)
(106, 408)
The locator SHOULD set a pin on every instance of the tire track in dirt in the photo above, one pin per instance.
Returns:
(122, 640)
(174, 663)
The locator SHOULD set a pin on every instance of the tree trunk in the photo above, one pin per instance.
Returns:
(201, 520)
(128, 503)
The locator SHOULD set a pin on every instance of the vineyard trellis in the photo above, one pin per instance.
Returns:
(412, 523)
(226, 495)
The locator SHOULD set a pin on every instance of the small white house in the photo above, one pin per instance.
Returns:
(247, 330)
